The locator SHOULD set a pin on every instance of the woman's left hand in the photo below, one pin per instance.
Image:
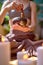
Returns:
(19, 7)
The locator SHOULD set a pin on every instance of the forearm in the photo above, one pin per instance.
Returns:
(33, 16)
(38, 42)
(5, 4)
(2, 15)
(4, 11)
(31, 27)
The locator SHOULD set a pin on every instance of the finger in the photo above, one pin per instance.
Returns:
(15, 5)
(20, 7)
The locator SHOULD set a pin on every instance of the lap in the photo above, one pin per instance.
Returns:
(20, 37)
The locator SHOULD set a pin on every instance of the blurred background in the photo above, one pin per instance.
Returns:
(39, 26)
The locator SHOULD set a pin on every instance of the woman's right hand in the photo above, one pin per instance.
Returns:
(19, 7)
(16, 6)
(13, 5)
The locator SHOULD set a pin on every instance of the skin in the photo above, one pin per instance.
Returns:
(6, 7)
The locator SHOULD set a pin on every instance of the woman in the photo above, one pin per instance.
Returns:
(30, 14)
(18, 32)
(29, 9)
(22, 33)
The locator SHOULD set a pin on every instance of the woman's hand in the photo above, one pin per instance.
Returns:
(5, 4)
(19, 7)
(13, 5)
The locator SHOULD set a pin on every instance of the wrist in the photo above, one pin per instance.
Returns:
(8, 7)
